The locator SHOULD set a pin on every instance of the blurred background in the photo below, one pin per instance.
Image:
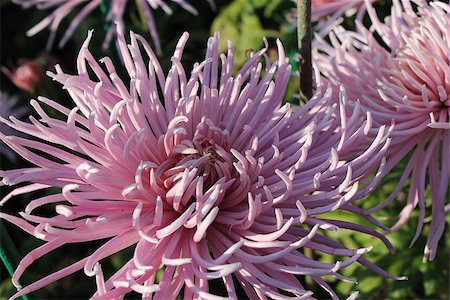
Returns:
(245, 22)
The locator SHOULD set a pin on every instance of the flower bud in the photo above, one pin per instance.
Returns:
(26, 75)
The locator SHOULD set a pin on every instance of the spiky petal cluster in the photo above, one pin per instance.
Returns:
(117, 9)
(9, 107)
(405, 80)
(220, 182)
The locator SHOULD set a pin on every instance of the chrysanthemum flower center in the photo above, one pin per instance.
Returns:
(421, 67)
(433, 88)
(197, 164)
(204, 182)
(210, 159)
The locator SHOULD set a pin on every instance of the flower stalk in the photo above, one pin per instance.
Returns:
(9, 254)
(304, 47)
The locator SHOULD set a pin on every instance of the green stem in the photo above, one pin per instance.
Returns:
(8, 252)
(304, 47)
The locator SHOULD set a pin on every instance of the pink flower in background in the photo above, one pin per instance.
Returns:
(324, 8)
(406, 82)
(9, 107)
(333, 10)
(203, 173)
(115, 14)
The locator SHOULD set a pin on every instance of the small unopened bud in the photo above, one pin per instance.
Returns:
(26, 75)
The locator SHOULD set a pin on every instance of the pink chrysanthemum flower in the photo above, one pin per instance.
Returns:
(324, 8)
(406, 81)
(333, 10)
(205, 175)
(115, 14)
(9, 107)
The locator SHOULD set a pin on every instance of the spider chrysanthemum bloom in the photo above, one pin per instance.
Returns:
(206, 175)
(406, 80)
(9, 107)
(117, 9)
